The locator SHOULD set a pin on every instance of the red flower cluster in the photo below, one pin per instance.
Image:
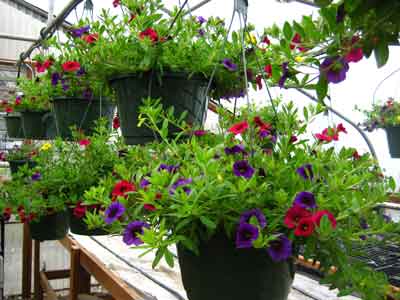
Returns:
(91, 38)
(7, 213)
(331, 134)
(304, 222)
(121, 188)
(116, 3)
(71, 66)
(355, 53)
(23, 217)
(42, 67)
(149, 33)
(84, 142)
(239, 128)
(268, 70)
(79, 210)
(116, 123)
(296, 43)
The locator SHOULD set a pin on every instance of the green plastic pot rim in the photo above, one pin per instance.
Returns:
(391, 127)
(182, 75)
(13, 115)
(36, 111)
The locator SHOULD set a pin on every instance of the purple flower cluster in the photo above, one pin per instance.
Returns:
(131, 232)
(280, 249)
(285, 75)
(235, 150)
(169, 168)
(306, 172)
(181, 182)
(114, 212)
(334, 69)
(242, 168)
(78, 32)
(305, 200)
(229, 65)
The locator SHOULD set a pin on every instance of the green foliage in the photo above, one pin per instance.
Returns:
(382, 115)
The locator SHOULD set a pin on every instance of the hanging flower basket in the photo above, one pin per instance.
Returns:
(38, 125)
(50, 227)
(80, 112)
(223, 272)
(175, 89)
(16, 164)
(14, 126)
(393, 137)
(78, 225)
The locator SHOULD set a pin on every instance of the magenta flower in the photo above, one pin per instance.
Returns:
(242, 168)
(305, 200)
(131, 232)
(229, 65)
(200, 132)
(113, 212)
(306, 171)
(334, 69)
(280, 249)
(256, 212)
(245, 236)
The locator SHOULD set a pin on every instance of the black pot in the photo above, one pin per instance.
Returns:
(16, 164)
(51, 227)
(78, 226)
(393, 137)
(14, 126)
(80, 112)
(175, 89)
(222, 272)
(38, 125)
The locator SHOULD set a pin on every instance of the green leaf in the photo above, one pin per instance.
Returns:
(299, 29)
(159, 255)
(322, 88)
(287, 31)
(207, 222)
(381, 54)
(169, 258)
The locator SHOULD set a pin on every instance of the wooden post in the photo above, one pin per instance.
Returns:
(26, 263)
(79, 277)
(36, 278)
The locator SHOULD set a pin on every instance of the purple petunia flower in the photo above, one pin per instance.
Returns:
(201, 32)
(78, 32)
(229, 65)
(306, 171)
(285, 75)
(305, 200)
(113, 212)
(55, 78)
(233, 95)
(334, 69)
(130, 236)
(37, 176)
(144, 183)
(201, 20)
(234, 150)
(81, 72)
(256, 212)
(280, 249)
(245, 236)
(87, 94)
(181, 182)
(242, 168)
(168, 168)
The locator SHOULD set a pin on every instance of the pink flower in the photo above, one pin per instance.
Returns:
(319, 214)
(84, 142)
(355, 55)
(239, 128)
(200, 132)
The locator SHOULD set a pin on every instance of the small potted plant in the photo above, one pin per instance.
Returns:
(13, 117)
(37, 120)
(21, 155)
(78, 99)
(386, 116)
(242, 203)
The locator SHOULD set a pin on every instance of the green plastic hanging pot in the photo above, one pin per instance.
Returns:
(78, 226)
(222, 272)
(38, 125)
(393, 138)
(14, 126)
(81, 113)
(51, 227)
(174, 89)
(16, 164)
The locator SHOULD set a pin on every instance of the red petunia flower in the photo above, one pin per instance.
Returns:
(9, 109)
(79, 210)
(149, 207)
(18, 101)
(296, 40)
(42, 67)
(239, 128)
(116, 3)
(71, 66)
(319, 214)
(340, 128)
(261, 124)
(268, 70)
(149, 33)
(294, 215)
(305, 227)
(355, 55)
(293, 139)
(266, 40)
(121, 188)
(84, 142)
(116, 123)
(91, 38)
(259, 82)
(356, 155)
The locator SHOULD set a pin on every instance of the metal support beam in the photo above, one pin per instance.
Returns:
(196, 7)
(16, 37)
(360, 131)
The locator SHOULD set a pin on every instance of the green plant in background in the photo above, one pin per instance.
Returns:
(36, 94)
(26, 151)
(382, 115)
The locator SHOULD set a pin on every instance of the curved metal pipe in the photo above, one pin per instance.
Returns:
(360, 131)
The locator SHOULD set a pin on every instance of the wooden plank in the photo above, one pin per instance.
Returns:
(57, 274)
(74, 279)
(36, 271)
(46, 287)
(26, 263)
